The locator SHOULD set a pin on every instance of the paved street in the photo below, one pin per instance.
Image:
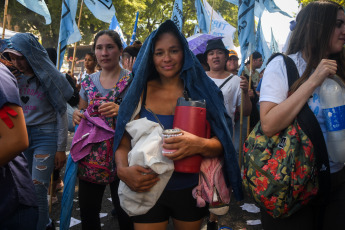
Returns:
(236, 218)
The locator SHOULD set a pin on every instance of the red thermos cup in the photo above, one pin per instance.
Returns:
(191, 117)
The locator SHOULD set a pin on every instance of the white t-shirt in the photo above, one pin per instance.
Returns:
(231, 93)
(275, 87)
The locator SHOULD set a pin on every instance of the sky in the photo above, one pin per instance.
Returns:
(280, 24)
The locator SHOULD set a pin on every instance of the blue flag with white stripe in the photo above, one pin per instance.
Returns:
(101, 9)
(134, 34)
(69, 32)
(39, 7)
(245, 27)
(177, 15)
(203, 18)
(114, 25)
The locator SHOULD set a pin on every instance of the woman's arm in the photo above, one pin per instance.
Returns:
(137, 178)
(13, 140)
(77, 115)
(276, 117)
(189, 144)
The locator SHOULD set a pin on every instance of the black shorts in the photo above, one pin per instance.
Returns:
(178, 204)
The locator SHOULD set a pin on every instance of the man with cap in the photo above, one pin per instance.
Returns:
(232, 63)
(257, 63)
(230, 84)
(217, 55)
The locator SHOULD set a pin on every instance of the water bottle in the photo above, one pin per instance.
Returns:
(332, 96)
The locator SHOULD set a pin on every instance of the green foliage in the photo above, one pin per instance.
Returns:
(305, 2)
(151, 14)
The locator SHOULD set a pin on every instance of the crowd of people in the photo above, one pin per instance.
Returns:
(143, 82)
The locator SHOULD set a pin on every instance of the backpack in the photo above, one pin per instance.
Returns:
(99, 166)
(286, 171)
(212, 187)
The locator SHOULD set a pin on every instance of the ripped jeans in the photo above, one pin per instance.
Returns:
(41, 157)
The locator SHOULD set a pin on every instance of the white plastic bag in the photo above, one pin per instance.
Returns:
(147, 152)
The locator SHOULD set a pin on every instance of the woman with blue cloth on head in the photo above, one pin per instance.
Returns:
(43, 93)
(165, 68)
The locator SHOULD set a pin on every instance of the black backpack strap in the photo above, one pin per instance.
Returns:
(228, 79)
(291, 68)
(309, 124)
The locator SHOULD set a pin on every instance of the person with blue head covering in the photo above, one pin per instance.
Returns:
(165, 68)
(43, 94)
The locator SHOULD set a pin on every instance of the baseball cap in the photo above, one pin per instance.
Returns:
(233, 53)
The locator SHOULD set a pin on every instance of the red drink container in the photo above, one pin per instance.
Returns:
(190, 116)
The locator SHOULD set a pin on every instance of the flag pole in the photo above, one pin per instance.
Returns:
(241, 126)
(241, 112)
(249, 87)
(75, 44)
(250, 83)
(58, 56)
(4, 22)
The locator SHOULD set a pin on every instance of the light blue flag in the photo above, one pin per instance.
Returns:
(39, 7)
(233, 2)
(261, 45)
(273, 45)
(245, 27)
(261, 5)
(272, 7)
(104, 10)
(203, 18)
(177, 15)
(114, 25)
(69, 32)
(134, 34)
(196, 29)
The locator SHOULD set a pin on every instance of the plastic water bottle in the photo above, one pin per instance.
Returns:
(332, 96)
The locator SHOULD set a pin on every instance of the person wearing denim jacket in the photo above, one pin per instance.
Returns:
(199, 86)
(43, 92)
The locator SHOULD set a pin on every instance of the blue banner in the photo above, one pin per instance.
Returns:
(39, 7)
(114, 25)
(134, 34)
(203, 19)
(261, 45)
(261, 5)
(69, 32)
(101, 9)
(177, 15)
(245, 28)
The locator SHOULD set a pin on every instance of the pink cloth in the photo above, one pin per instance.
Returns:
(91, 130)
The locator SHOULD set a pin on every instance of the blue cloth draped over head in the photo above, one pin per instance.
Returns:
(198, 85)
(54, 83)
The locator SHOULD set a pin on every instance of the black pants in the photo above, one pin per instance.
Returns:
(90, 203)
(314, 215)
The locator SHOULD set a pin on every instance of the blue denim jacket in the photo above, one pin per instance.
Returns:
(54, 83)
(199, 86)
